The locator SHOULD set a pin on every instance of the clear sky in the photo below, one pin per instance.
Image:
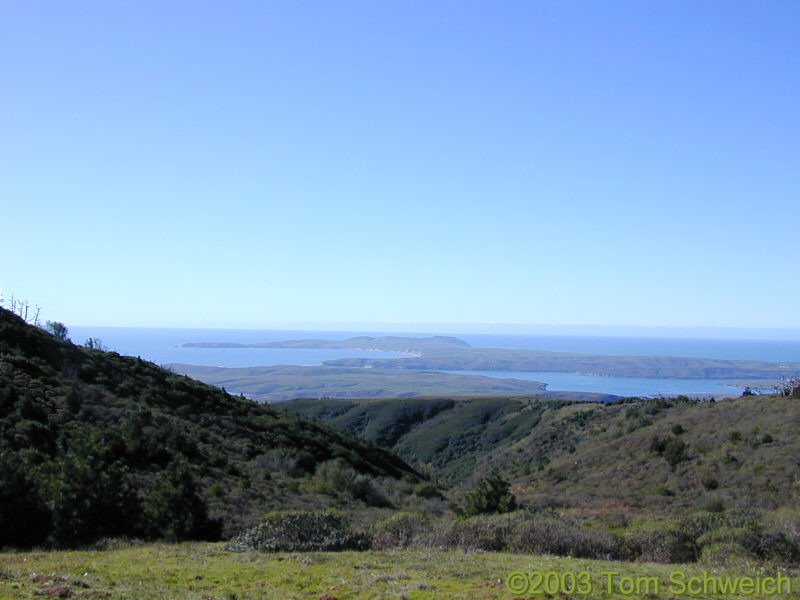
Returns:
(278, 163)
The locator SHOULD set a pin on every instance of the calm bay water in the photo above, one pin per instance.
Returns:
(619, 386)
(162, 345)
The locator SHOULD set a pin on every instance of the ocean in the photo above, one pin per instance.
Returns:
(164, 345)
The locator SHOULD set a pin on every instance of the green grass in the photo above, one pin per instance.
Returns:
(206, 571)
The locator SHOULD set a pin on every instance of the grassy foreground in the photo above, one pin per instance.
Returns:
(206, 571)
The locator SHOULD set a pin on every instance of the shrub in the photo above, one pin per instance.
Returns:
(675, 452)
(553, 535)
(657, 445)
(335, 477)
(398, 531)
(780, 537)
(700, 523)
(710, 483)
(299, 531)
(477, 534)
(746, 537)
(714, 505)
(426, 489)
(661, 541)
(726, 554)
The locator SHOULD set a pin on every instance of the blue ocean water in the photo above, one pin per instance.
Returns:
(164, 345)
(729, 349)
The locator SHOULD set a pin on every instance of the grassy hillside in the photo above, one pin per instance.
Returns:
(94, 444)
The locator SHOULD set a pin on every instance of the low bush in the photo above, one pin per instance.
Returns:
(335, 477)
(299, 531)
(562, 537)
(660, 541)
(399, 531)
(747, 538)
(727, 554)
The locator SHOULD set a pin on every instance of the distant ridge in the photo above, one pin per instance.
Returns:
(379, 344)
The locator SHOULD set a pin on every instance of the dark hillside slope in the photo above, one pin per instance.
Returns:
(96, 444)
(446, 435)
(635, 456)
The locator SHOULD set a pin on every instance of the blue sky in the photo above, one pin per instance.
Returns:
(247, 164)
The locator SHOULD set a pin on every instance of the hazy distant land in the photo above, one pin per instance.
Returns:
(440, 353)
(285, 382)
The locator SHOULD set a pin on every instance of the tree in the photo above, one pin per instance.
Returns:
(24, 518)
(675, 452)
(174, 511)
(95, 343)
(57, 329)
(491, 495)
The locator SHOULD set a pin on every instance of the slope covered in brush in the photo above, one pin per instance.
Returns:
(637, 455)
(96, 444)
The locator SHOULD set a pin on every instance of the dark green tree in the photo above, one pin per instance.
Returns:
(91, 495)
(491, 495)
(57, 329)
(24, 517)
(174, 511)
(675, 452)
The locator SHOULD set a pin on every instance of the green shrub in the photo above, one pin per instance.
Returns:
(477, 534)
(714, 505)
(335, 477)
(663, 541)
(780, 537)
(562, 537)
(709, 482)
(426, 489)
(299, 531)
(746, 537)
(727, 554)
(700, 523)
(398, 531)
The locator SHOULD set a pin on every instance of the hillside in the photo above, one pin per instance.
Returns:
(449, 436)
(662, 455)
(95, 444)
(635, 456)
